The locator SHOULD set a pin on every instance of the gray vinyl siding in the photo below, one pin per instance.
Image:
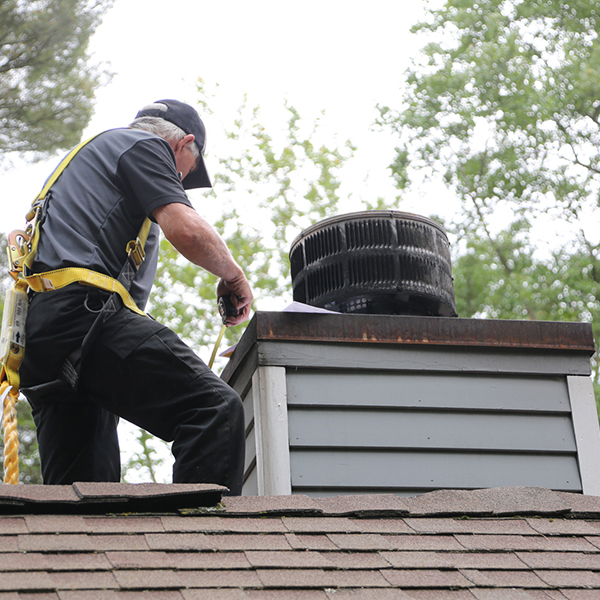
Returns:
(406, 419)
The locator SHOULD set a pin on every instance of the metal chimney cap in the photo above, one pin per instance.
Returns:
(367, 214)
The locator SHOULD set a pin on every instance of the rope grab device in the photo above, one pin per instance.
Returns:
(22, 247)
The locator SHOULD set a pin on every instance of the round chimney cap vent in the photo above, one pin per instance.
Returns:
(374, 262)
(367, 214)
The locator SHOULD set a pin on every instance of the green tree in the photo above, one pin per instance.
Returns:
(503, 104)
(47, 83)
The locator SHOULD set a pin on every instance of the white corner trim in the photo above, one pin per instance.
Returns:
(269, 391)
(587, 432)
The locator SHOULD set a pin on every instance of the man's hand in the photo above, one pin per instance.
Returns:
(241, 297)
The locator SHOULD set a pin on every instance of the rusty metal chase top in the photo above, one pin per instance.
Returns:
(546, 336)
(443, 331)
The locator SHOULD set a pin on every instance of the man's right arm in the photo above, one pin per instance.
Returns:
(196, 239)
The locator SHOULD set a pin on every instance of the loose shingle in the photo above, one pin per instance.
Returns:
(149, 496)
(448, 502)
(380, 505)
(271, 505)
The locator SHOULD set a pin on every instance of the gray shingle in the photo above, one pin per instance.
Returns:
(321, 525)
(311, 578)
(424, 542)
(503, 578)
(454, 560)
(290, 560)
(11, 525)
(164, 579)
(60, 561)
(426, 578)
(476, 525)
(570, 579)
(214, 524)
(273, 505)
(529, 542)
(366, 594)
(560, 560)
(364, 505)
(356, 541)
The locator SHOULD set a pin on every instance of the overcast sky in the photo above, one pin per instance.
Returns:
(341, 56)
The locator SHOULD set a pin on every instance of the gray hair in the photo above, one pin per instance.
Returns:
(164, 129)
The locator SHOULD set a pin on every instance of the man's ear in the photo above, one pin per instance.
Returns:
(185, 141)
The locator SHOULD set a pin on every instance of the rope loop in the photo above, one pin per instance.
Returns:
(11, 438)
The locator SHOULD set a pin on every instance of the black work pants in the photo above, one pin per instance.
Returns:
(136, 369)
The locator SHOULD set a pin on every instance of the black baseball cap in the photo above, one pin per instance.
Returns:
(186, 118)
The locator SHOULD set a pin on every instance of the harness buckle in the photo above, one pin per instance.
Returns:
(135, 251)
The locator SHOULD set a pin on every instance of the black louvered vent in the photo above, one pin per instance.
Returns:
(375, 262)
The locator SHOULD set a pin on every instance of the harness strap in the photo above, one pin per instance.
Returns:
(54, 280)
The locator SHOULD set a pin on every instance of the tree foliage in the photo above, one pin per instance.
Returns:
(503, 103)
(46, 80)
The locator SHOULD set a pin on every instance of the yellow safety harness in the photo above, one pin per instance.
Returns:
(22, 248)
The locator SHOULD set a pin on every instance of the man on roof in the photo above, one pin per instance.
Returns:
(89, 359)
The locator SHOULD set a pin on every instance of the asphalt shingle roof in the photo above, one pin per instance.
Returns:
(184, 542)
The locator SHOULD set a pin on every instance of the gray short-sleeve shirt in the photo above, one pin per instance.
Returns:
(100, 201)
